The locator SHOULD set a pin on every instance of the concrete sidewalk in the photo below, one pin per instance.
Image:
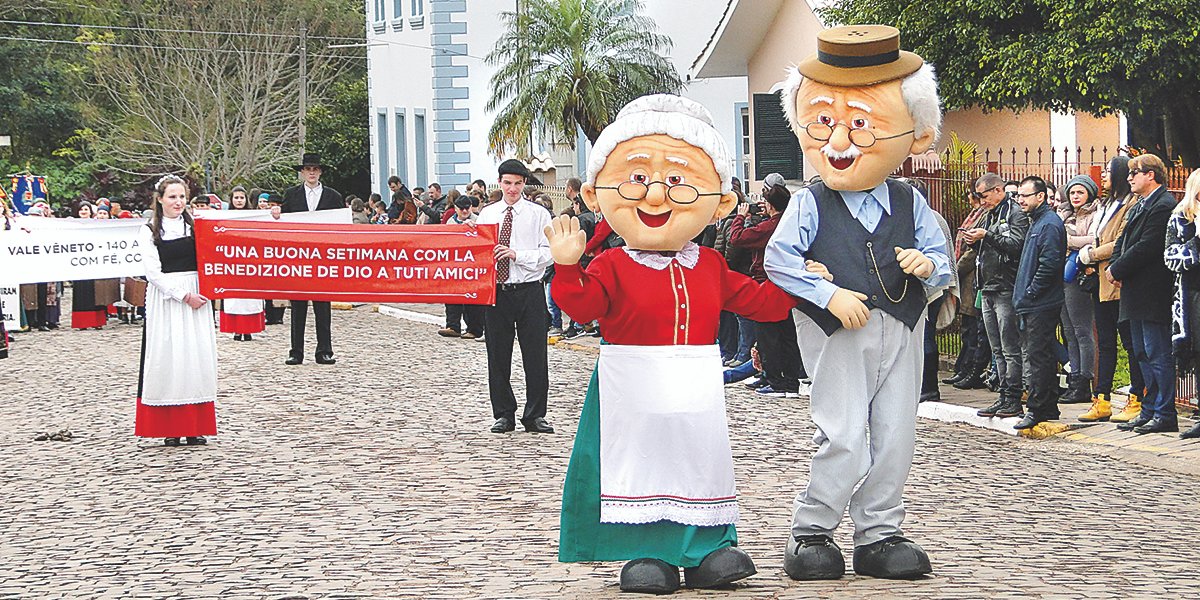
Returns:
(1159, 450)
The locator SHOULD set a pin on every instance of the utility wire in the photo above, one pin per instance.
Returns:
(151, 47)
(124, 28)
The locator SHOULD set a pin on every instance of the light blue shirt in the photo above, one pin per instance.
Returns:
(784, 258)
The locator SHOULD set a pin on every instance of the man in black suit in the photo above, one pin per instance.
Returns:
(1147, 287)
(311, 195)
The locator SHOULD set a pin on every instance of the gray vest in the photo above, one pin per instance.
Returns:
(847, 248)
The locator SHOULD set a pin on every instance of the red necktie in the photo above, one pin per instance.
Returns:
(502, 265)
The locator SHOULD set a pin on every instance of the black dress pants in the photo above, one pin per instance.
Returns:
(471, 313)
(520, 313)
(1040, 329)
(321, 311)
(780, 354)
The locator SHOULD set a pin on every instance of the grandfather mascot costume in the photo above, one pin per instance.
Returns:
(860, 107)
(651, 475)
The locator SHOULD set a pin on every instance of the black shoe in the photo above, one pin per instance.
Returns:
(955, 378)
(931, 396)
(1028, 421)
(974, 382)
(993, 409)
(1192, 433)
(171, 442)
(720, 568)
(196, 441)
(1157, 425)
(1142, 419)
(895, 557)
(293, 360)
(247, 337)
(237, 337)
(503, 425)
(325, 358)
(538, 425)
(1078, 392)
(811, 557)
(1011, 408)
(572, 333)
(43, 328)
(649, 576)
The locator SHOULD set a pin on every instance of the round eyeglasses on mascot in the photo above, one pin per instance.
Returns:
(651, 475)
(860, 107)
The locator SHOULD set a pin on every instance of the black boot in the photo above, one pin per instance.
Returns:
(649, 576)
(991, 410)
(974, 382)
(1011, 406)
(1079, 392)
(1192, 433)
(955, 378)
(720, 568)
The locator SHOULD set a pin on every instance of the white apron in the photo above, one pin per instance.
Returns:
(664, 439)
(181, 347)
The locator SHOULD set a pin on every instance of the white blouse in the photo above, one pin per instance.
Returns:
(172, 229)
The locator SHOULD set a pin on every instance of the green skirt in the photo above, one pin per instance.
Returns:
(584, 538)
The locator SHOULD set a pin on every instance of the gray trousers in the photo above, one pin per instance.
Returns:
(865, 386)
(1079, 327)
(1004, 334)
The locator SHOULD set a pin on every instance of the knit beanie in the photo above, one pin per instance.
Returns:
(1093, 190)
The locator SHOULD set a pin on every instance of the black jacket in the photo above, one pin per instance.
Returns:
(1147, 286)
(1039, 283)
(294, 199)
(395, 208)
(1000, 250)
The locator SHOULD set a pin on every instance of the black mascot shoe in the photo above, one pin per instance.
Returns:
(649, 576)
(810, 557)
(720, 568)
(895, 557)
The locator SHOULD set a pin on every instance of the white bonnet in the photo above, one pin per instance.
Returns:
(670, 115)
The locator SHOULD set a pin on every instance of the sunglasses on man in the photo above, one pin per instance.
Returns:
(979, 195)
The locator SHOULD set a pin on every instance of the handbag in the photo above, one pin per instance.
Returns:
(135, 291)
(1071, 267)
(1089, 280)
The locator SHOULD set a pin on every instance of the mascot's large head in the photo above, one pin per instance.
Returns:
(660, 173)
(860, 105)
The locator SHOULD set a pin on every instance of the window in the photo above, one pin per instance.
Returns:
(381, 10)
(417, 17)
(397, 15)
(381, 144)
(401, 147)
(743, 134)
(776, 149)
(422, 174)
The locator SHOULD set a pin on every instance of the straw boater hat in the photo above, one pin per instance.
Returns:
(670, 115)
(859, 55)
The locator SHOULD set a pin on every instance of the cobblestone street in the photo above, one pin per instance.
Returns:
(377, 478)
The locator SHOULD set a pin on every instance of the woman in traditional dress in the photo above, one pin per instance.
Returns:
(242, 317)
(87, 310)
(177, 387)
(651, 474)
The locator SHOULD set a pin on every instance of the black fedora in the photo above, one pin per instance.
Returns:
(311, 160)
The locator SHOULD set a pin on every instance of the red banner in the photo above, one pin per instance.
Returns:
(439, 264)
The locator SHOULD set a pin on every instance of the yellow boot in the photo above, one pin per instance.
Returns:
(1132, 409)
(1101, 410)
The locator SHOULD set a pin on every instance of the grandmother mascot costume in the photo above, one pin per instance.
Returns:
(860, 107)
(651, 475)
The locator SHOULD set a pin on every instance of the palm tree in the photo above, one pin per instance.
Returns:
(570, 65)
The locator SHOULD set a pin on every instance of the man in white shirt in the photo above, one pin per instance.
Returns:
(522, 255)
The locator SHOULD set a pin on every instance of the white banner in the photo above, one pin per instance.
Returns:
(39, 250)
(10, 306)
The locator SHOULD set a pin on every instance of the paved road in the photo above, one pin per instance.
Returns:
(376, 478)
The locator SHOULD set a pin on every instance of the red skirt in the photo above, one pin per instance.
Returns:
(254, 323)
(183, 420)
(83, 319)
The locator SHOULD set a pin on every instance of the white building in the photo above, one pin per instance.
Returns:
(428, 86)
